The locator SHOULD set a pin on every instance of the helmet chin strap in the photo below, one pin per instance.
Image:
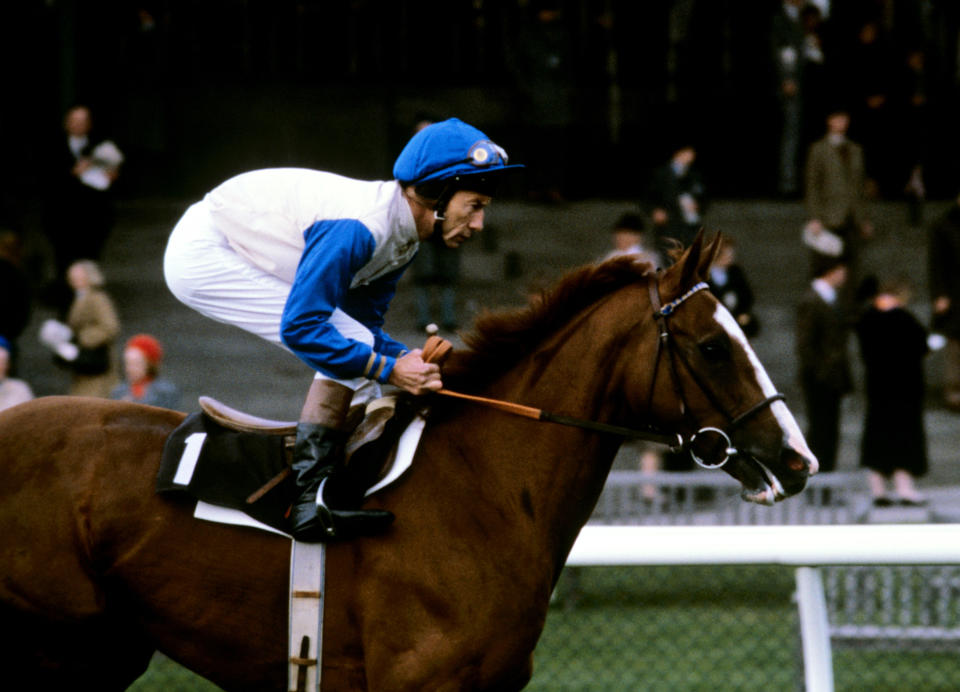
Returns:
(437, 227)
(440, 208)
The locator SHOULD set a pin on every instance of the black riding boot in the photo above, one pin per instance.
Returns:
(318, 462)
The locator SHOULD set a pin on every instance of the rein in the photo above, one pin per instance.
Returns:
(675, 441)
(436, 349)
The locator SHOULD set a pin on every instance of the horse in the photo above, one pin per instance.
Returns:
(97, 571)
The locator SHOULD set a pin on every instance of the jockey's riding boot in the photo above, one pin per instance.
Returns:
(327, 507)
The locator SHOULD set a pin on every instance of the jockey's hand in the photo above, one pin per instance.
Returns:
(411, 373)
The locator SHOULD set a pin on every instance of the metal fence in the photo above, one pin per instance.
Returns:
(666, 498)
(737, 628)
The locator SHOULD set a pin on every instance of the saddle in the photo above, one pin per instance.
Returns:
(229, 458)
(226, 457)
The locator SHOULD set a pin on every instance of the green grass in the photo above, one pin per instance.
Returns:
(682, 629)
(165, 675)
(699, 628)
(693, 629)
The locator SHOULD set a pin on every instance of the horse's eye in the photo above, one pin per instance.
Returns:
(715, 350)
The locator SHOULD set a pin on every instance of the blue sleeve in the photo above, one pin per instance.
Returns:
(368, 305)
(334, 251)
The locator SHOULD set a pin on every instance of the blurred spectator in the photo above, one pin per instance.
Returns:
(835, 193)
(16, 294)
(629, 238)
(142, 383)
(869, 78)
(79, 212)
(85, 343)
(676, 198)
(543, 65)
(12, 391)
(913, 123)
(821, 345)
(787, 44)
(944, 267)
(814, 73)
(436, 266)
(728, 282)
(893, 345)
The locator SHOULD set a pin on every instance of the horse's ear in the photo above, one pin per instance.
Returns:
(708, 256)
(687, 270)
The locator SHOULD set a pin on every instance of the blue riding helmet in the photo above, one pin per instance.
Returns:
(451, 155)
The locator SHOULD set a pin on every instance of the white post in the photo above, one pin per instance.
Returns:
(814, 631)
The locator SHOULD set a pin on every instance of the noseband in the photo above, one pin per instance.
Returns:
(664, 344)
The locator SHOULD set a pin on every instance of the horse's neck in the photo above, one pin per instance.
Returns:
(557, 471)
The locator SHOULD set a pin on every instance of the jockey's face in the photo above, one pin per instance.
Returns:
(463, 217)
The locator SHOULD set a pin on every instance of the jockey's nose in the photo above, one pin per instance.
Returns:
(476, 221)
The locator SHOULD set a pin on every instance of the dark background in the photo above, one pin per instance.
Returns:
(197, 91)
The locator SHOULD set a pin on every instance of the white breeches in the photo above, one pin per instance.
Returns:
(205, 273)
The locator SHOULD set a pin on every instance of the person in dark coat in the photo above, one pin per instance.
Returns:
(676, 198)
(944, 263)
(728, 282)
(436, 267)
(822, 334)
(835, 195)
(787, 51)
(893, 344)
(544, 63)
(82, 166)
(16, 305)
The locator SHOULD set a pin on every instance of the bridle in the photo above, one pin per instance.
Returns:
(661, 313)
(676, 442)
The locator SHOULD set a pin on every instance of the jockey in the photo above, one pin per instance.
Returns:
(310, 260)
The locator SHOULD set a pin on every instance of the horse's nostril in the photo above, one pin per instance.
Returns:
(800, 463)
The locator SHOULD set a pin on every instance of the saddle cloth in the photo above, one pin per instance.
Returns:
(249, 471)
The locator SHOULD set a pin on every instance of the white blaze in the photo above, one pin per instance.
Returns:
(789, 426)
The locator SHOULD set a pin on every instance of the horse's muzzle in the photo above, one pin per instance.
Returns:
(797, 468)
(770, 479)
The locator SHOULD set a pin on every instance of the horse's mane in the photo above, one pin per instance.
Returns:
(500, 338)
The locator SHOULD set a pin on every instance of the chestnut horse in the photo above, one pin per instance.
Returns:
(98, 571)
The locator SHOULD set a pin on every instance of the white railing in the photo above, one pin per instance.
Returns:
(804, 547)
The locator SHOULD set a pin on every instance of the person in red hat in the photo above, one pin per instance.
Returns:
(142, 356)
(310, 260)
